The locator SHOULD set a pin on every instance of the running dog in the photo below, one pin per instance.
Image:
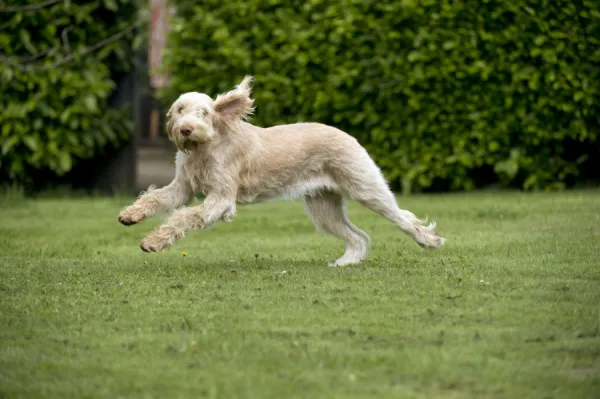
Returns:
(231, 161)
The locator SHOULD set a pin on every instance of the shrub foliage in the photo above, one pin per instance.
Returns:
(57, 64)
(445, 94)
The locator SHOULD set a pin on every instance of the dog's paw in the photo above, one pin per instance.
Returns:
(131, 215)
(157, 241)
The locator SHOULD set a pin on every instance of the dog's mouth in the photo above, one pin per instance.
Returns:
(195, 139)
(189, 143)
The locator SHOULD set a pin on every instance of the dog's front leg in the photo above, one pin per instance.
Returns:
(178, 193)
(213, 209)
(153, 201)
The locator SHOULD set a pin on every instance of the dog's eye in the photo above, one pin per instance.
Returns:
(180, 109)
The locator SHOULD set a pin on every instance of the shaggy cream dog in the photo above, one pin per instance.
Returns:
(231, 161)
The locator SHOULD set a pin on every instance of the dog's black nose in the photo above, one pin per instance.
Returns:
(186, 131)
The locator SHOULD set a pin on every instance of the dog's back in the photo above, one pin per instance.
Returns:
(291, 161)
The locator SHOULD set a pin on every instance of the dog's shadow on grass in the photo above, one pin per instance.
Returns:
(257, 263)
(269, 264)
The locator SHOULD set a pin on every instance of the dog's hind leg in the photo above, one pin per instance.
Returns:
(385, 204)
(362, 181)
(328, 212)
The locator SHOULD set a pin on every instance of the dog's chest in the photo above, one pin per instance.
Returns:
(199, 173)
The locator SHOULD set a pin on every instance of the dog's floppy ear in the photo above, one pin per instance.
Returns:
(236, 103)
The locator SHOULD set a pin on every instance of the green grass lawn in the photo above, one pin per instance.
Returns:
(509, 308)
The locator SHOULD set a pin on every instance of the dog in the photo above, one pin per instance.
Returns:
(232, 162)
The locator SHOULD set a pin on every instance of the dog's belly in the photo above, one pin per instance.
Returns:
(290, 191)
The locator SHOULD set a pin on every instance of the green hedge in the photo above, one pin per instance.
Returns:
(444, 94)
(58, 60)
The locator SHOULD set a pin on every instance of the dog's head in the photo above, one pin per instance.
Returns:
(195, 118)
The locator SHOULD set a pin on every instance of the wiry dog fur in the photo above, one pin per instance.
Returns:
(231, 161)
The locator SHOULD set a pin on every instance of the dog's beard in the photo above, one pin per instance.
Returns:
(185, 144)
